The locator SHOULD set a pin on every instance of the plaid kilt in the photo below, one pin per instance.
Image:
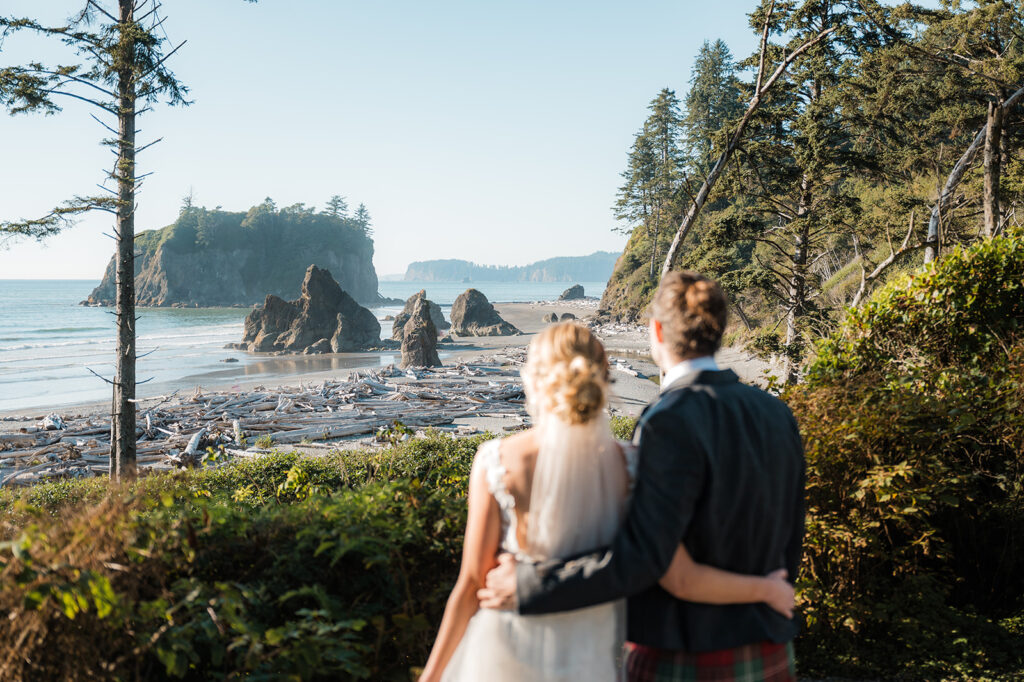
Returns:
(762, 662)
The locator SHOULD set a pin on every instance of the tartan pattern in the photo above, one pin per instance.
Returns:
(761, 662)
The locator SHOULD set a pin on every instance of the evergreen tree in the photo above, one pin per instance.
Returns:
(714, 99)
(121, 70)
(337, 207)
(650, 196)
(363, 221)
(795, 168)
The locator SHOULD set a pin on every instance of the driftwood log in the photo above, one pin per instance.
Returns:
(175, 432)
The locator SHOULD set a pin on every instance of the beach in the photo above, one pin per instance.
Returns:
(622, 342)
(313, 403)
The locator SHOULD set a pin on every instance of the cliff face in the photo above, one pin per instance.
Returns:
(630, 288)
(215, 258)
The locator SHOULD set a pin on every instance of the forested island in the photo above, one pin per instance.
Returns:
(596, 267)
(212, 257)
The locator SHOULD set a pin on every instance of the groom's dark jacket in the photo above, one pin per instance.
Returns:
(722, 471)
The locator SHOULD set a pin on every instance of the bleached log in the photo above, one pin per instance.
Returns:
(193, 442)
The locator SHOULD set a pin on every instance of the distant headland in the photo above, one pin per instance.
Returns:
(597, 267)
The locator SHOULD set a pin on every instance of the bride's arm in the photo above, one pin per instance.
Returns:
(483, 531)
(686, 579)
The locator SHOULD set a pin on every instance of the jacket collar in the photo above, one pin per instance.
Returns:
(705, 377)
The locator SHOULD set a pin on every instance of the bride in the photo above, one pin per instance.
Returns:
(557, 490)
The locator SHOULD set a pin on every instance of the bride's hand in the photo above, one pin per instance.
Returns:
(779, 594)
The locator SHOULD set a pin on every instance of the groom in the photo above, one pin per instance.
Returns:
(722, 471)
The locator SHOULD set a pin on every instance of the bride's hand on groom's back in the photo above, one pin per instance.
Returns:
(500, 586)
(780, 594)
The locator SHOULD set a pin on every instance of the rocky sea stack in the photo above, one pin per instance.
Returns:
(473, 315)
(324, 319)
(573, 293)
(212, 258)
(419, 336)
(436, 316)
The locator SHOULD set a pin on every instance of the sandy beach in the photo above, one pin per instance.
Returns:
(624, 344)
(313, 403)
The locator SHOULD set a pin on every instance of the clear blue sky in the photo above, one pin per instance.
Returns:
(493, 132)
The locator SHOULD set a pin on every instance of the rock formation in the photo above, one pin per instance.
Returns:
(221, 258)
(323, 319)
(567, 316)
(551, 318)
(436, 316)
(419, 336)
(573, 293)
(473, 315)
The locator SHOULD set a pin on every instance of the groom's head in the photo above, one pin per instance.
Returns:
(688, 316)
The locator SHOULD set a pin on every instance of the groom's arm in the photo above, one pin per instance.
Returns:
(669, 480)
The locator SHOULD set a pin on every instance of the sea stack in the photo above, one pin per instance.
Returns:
(323, 319)
(473, 315)
(573, 293)
(436, 316)
(419, 337)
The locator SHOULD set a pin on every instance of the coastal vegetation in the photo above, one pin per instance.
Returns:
(891, 140)
(596, 267)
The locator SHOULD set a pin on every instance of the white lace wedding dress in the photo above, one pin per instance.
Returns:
(581, 645)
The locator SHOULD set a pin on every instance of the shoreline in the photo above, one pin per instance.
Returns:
(627, 349)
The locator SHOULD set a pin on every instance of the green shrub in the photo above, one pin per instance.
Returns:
(622, 427)
(326, 568)
(913, 420)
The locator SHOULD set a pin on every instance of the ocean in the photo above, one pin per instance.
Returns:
(49, 343)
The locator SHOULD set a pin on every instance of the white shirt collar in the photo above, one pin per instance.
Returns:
(701, 364)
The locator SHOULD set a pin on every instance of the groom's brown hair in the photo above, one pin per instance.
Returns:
(692, 310)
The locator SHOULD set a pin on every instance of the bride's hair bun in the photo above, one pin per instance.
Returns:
(566, 373)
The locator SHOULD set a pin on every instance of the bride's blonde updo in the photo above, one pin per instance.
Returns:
(566, 373)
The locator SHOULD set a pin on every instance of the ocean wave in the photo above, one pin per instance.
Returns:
(63, 344)
(65, 330)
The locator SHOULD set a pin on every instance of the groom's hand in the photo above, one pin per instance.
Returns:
(500, 586)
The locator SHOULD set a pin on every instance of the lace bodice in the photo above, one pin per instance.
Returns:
(489, 457)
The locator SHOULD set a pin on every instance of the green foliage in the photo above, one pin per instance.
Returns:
(277, 568)
(715, 98)
(913, 419)
(622, 427)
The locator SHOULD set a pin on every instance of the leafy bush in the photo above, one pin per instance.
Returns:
(282, 567)
(622, 427)
(913, 419)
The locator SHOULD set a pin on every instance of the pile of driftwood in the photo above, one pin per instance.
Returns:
(178, 432)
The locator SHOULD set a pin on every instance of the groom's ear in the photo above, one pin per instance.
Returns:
(659, 331)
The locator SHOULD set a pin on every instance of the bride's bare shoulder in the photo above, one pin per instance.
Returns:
(518, 455)
(518, 444)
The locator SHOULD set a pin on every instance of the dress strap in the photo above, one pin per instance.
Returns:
(490, 458)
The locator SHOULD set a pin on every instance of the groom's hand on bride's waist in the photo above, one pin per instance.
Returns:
(499, 591)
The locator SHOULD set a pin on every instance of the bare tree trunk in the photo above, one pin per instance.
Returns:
(798, 284)
(122, 423)
(993, 137)
(742, 315)
(955, 176)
